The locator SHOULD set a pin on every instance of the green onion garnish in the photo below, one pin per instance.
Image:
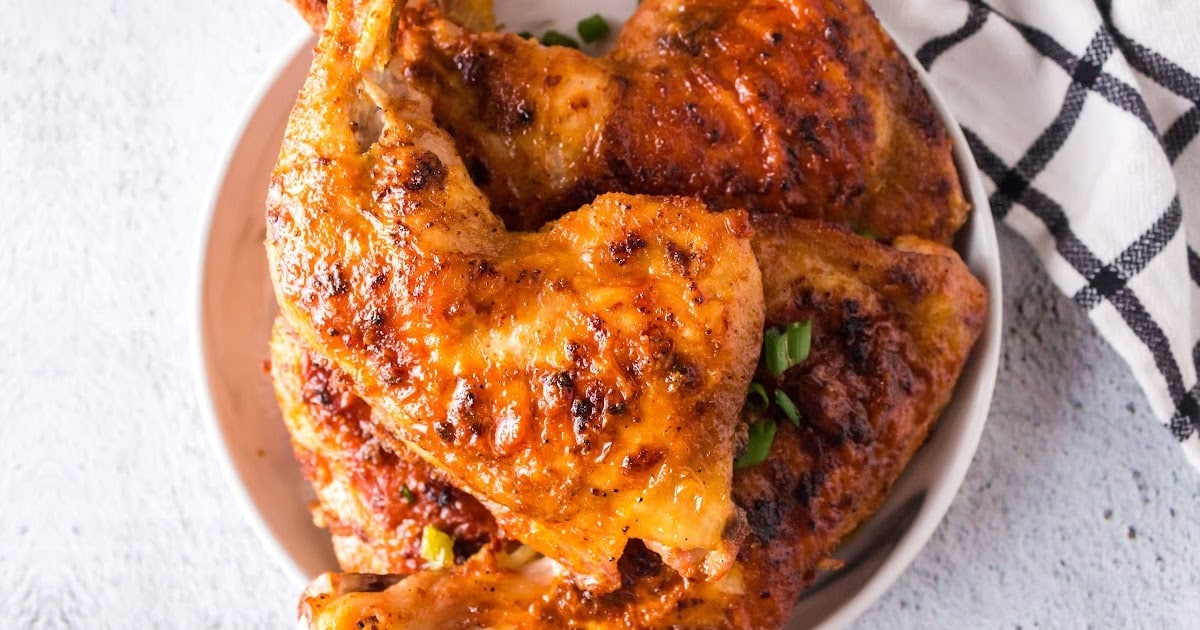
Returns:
(775, 352)
(782, 350)
(756, 398)
(593, 29)
(799, 341)
(526, 35)
(787, 406)
(408, 495)
(866, 234)
(762, 434)
(437, 547)
(554, 38)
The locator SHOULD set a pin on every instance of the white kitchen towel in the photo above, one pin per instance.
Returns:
(1084, 115)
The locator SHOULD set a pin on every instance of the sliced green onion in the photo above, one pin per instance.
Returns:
(762, 434)
(408, 495)
(437, 547)
(526, 35)
(593, 29)
(787, 406)
(782, 350)
(799, 341)
(866, 234)
(775, 351)
(756, 398)
(554, 38)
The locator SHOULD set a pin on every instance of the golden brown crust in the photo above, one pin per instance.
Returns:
(374, 496)
(892, 329)
(535, 369)
(313, 11)
(478, 15)
(803, 108)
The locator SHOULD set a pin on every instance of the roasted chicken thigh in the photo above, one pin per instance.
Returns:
(892, 328)
(582, 381)
(797, 107)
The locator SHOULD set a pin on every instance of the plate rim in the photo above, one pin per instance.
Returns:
(985, 354)
(202, 368)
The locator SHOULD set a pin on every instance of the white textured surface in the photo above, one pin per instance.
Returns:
(114, 116)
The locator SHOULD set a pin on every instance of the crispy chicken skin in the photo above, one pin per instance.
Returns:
(374, 495)
(892, 329)
(582, 381)
(477, 15)
(313, 11)
(796, 107)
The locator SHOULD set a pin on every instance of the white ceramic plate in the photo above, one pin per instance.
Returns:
(236, 307)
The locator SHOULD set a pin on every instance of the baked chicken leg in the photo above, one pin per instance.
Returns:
(892, 329)
(583, 381)
(796, 107)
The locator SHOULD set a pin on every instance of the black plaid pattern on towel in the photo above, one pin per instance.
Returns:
(1083, 118)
